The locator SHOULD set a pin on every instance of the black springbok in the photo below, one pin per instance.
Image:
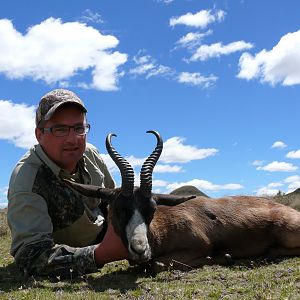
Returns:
(192, 231)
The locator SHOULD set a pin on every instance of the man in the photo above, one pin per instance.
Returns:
(55, 231)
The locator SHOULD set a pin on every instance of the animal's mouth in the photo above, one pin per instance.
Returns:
(139, 249)
(136, 233)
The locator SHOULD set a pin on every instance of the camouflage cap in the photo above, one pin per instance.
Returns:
(50, 102)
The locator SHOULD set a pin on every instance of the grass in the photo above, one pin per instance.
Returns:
(246, 280)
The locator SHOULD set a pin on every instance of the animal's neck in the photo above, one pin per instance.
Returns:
(160, 229)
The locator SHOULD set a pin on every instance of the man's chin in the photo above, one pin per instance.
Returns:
(71, 157)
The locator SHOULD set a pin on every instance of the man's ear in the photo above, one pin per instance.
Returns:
(171, 200)
(38, 134)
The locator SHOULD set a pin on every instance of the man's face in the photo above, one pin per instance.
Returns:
(65, 151)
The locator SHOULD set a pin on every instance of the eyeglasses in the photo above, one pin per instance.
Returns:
(64, 130)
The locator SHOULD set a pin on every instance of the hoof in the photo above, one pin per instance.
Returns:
(228, 259)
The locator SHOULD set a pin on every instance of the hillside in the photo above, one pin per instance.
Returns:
(188, 190)
(291, 199)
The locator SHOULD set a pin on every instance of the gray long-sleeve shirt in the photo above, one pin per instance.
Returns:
(53, 228)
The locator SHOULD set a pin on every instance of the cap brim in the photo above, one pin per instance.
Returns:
(53, 109)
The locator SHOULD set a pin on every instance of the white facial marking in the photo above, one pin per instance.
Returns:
(136, 232)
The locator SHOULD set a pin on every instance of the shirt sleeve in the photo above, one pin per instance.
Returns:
(33, 247)
(44, 258)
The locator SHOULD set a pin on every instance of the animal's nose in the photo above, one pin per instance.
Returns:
(138, 246)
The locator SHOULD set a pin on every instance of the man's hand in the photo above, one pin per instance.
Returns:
(111, 248)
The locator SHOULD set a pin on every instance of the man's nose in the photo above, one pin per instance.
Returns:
(72, 136)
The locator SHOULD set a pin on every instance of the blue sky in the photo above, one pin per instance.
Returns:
(218, 79)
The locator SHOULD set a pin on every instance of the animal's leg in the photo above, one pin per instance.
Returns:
(221, 259)
(186, 261)
(179, 260)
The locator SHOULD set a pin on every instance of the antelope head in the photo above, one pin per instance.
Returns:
(131, 209)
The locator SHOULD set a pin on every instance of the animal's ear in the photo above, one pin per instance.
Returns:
(92, 190)
(171, 200)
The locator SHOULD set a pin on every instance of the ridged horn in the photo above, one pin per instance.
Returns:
(125, 168)
(149, 164)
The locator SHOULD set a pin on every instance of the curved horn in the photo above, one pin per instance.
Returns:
(125, 168)
(149, 164)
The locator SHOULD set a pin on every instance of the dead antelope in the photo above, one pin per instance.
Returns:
(164, 229)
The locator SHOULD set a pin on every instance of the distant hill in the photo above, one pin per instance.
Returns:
(188, 190)
(292, 199)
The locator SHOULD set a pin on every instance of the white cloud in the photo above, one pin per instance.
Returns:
(269, 190)
(159, 183)
(200, 19)
(197, 79)
(160, 70)
(3, 190)
(292, 179)
(92, 17)
(112, 167)
(257, 162)
(165, 1)
(293, 183)
(175, 151)
(277, 166)
(54, 51)
(204, 185)
(17, 123)
(294, 154)
(288, 185)
(293, 186)
(148, 66)
(205, 52)
(266, 192)
(192, 39)
(274, 184)
(159, 168)
(231, 186)
(105, 74)
(134, 161)
(279, 145)
(3, 196)
(137, 163)
(281, 65)
(142, 68)
(167, 169)
(140, 59)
